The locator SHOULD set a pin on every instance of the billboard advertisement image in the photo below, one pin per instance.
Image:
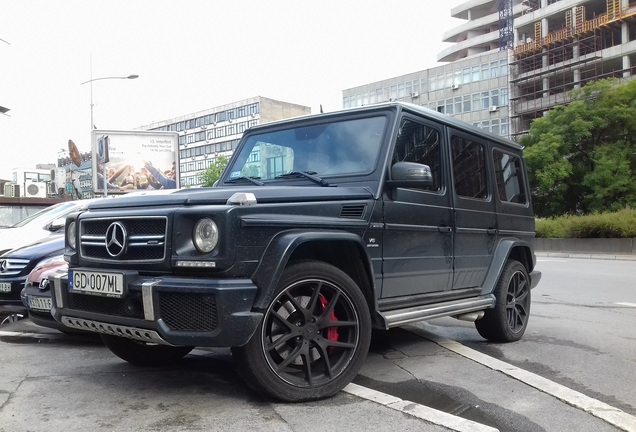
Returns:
(126, 161)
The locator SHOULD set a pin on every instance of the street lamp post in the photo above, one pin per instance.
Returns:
(93, 124)
(103, 78)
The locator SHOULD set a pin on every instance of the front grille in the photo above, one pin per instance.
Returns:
(188, 311)
(145, 239)
(12, 266)
(130, 306)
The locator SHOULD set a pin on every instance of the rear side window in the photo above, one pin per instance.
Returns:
(508, 172)
(469, 168)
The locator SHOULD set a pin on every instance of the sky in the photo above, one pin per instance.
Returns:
(192, 55)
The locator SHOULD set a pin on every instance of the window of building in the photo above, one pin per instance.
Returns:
(219, 132)
(466, 76)
(494, 97)
(241, 127)
(476, 101)
(401, 92)
(230, 129)
(475, 72)
(255, 156)
(457, 77)
(189, 138)
(505, 131)
(469, 168)
(275, 166)
(458, 105)
(494, 126)
(510, 185)
(494, 69)
(449, 107)
(485, 100)
(485, 73)
(503, 96)
(221, 116)
(393, 92)
(467, 107)
(242, 111)
(503, 67)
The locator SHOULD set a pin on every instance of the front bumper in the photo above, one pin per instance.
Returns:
(13, 296)
(179, 311)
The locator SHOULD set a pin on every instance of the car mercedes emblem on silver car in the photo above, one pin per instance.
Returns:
(3, 265)
(116, 239)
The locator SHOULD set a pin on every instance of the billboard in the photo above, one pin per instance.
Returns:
(126, 161)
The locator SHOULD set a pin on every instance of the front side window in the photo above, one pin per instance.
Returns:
(343, 147)
(508, 173)
(419, 143)
(469, 168)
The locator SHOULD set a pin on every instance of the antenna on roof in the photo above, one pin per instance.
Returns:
(320, 108)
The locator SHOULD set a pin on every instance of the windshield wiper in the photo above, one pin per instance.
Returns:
(250, 179)
(311, 175)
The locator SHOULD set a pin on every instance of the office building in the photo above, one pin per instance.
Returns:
(208, 134)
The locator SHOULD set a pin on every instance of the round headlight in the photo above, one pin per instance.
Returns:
(70, 235)
(206, 235)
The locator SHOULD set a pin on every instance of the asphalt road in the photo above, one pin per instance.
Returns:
(574, 370)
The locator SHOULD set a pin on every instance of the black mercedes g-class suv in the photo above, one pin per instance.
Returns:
(320, 229)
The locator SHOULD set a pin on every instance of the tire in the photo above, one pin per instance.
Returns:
(143, 354)
(314, 336)
(508, 320)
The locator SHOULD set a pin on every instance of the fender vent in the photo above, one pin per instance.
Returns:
(353, 211)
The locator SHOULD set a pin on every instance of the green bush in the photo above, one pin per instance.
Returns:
(621, 224)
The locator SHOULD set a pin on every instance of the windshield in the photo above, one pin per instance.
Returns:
(339, 148)
(47, 215)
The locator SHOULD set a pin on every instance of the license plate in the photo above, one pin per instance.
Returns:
(39, 303)
(5, 287)
(102, 284)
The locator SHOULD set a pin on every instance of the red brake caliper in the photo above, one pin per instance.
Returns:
(332, 332)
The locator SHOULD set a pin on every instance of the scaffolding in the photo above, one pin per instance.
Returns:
(614, 13)
(546, 68)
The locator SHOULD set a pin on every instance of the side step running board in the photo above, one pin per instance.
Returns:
(398, 317)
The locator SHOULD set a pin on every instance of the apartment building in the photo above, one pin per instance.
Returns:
(511, 61)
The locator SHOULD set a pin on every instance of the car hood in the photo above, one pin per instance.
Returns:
(39, 249)
(220, 196)
(11, 238)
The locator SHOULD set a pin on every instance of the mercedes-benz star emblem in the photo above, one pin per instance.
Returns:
(3, 265)
(116, 237)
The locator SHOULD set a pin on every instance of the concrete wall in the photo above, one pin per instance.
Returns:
(618, 246)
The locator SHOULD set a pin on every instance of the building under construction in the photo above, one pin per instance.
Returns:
(560, 45)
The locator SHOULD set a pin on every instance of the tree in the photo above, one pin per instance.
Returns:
(213, 173)
(582, 157)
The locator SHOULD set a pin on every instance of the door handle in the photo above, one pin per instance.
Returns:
(444, 229)
(492, 231)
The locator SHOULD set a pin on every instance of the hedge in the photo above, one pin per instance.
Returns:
(621, 224)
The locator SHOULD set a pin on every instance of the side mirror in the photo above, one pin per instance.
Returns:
(57, 224)
(411, 175)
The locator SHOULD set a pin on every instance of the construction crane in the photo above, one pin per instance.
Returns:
(506, 18)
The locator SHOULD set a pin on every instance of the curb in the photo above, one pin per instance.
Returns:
(586, 256)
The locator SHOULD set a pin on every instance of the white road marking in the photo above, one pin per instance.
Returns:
(608, 413)
(626, 304)
(29, 335)
(422, 412)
